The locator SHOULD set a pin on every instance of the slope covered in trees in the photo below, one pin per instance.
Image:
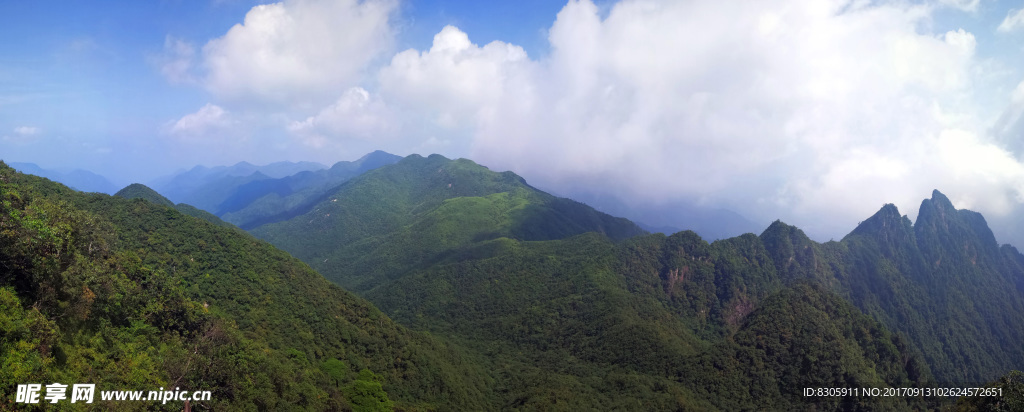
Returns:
(564, 327)
(129, 294)
(483, 266)
(141, 191)
(531, 302)
(390, 220)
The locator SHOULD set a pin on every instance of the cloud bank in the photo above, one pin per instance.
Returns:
(813, 111)
(804, 110)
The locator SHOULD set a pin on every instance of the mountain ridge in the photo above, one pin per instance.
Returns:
(422, 195)
(93, 282)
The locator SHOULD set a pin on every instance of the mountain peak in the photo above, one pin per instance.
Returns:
(141, 191)
(886, 221)
(790, 249)
(936, 211)
(942, 230)
(940, 200)
(887, 229)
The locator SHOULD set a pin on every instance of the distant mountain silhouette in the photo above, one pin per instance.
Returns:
(78, 179)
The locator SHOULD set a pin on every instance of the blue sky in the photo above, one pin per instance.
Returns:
(83, 73)
(814, 111)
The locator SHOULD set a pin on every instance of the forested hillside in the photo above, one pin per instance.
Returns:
(513, 299)
(129, 294)
(486, 265)
(396, 218)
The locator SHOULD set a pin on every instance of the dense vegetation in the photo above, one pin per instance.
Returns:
(128, 294)
(514, 300)
(140, 191)
(390, 220)
(449, 247)
(564, 329)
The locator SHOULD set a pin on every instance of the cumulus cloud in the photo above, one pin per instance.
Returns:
(298, 50)
(453, 80)
(207, 120)
(813, 111)
(1014, 21)
(356, 115)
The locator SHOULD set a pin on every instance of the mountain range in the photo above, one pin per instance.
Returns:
(450, 247)
(132, 294)
(77, 179)
(249, 196)
(471, 289)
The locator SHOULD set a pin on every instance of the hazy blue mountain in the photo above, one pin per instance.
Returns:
(205, 187)
(710, 223)
(249, 196)
(272, 200)
(78, 179)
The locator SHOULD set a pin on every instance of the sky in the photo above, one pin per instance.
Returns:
(816, 112)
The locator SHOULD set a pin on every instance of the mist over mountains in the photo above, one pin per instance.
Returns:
(670, 217)
(77, 179)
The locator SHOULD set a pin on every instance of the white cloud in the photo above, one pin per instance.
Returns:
(356, 115)
(298, 50)
(453, 80)
(207, 120)
(814, 111)
(177, 61)
(794, 109)
(1014, 20)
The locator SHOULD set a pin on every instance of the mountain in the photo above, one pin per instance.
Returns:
(207, 187)
(140, 191)
(131, 294)
(390, 219)
(77, 179)
(565, 325)
(249, 196)
(273, 200)
(946, 282)
(580, 310)
(278, 170)
(560, 295)
(503, 297)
